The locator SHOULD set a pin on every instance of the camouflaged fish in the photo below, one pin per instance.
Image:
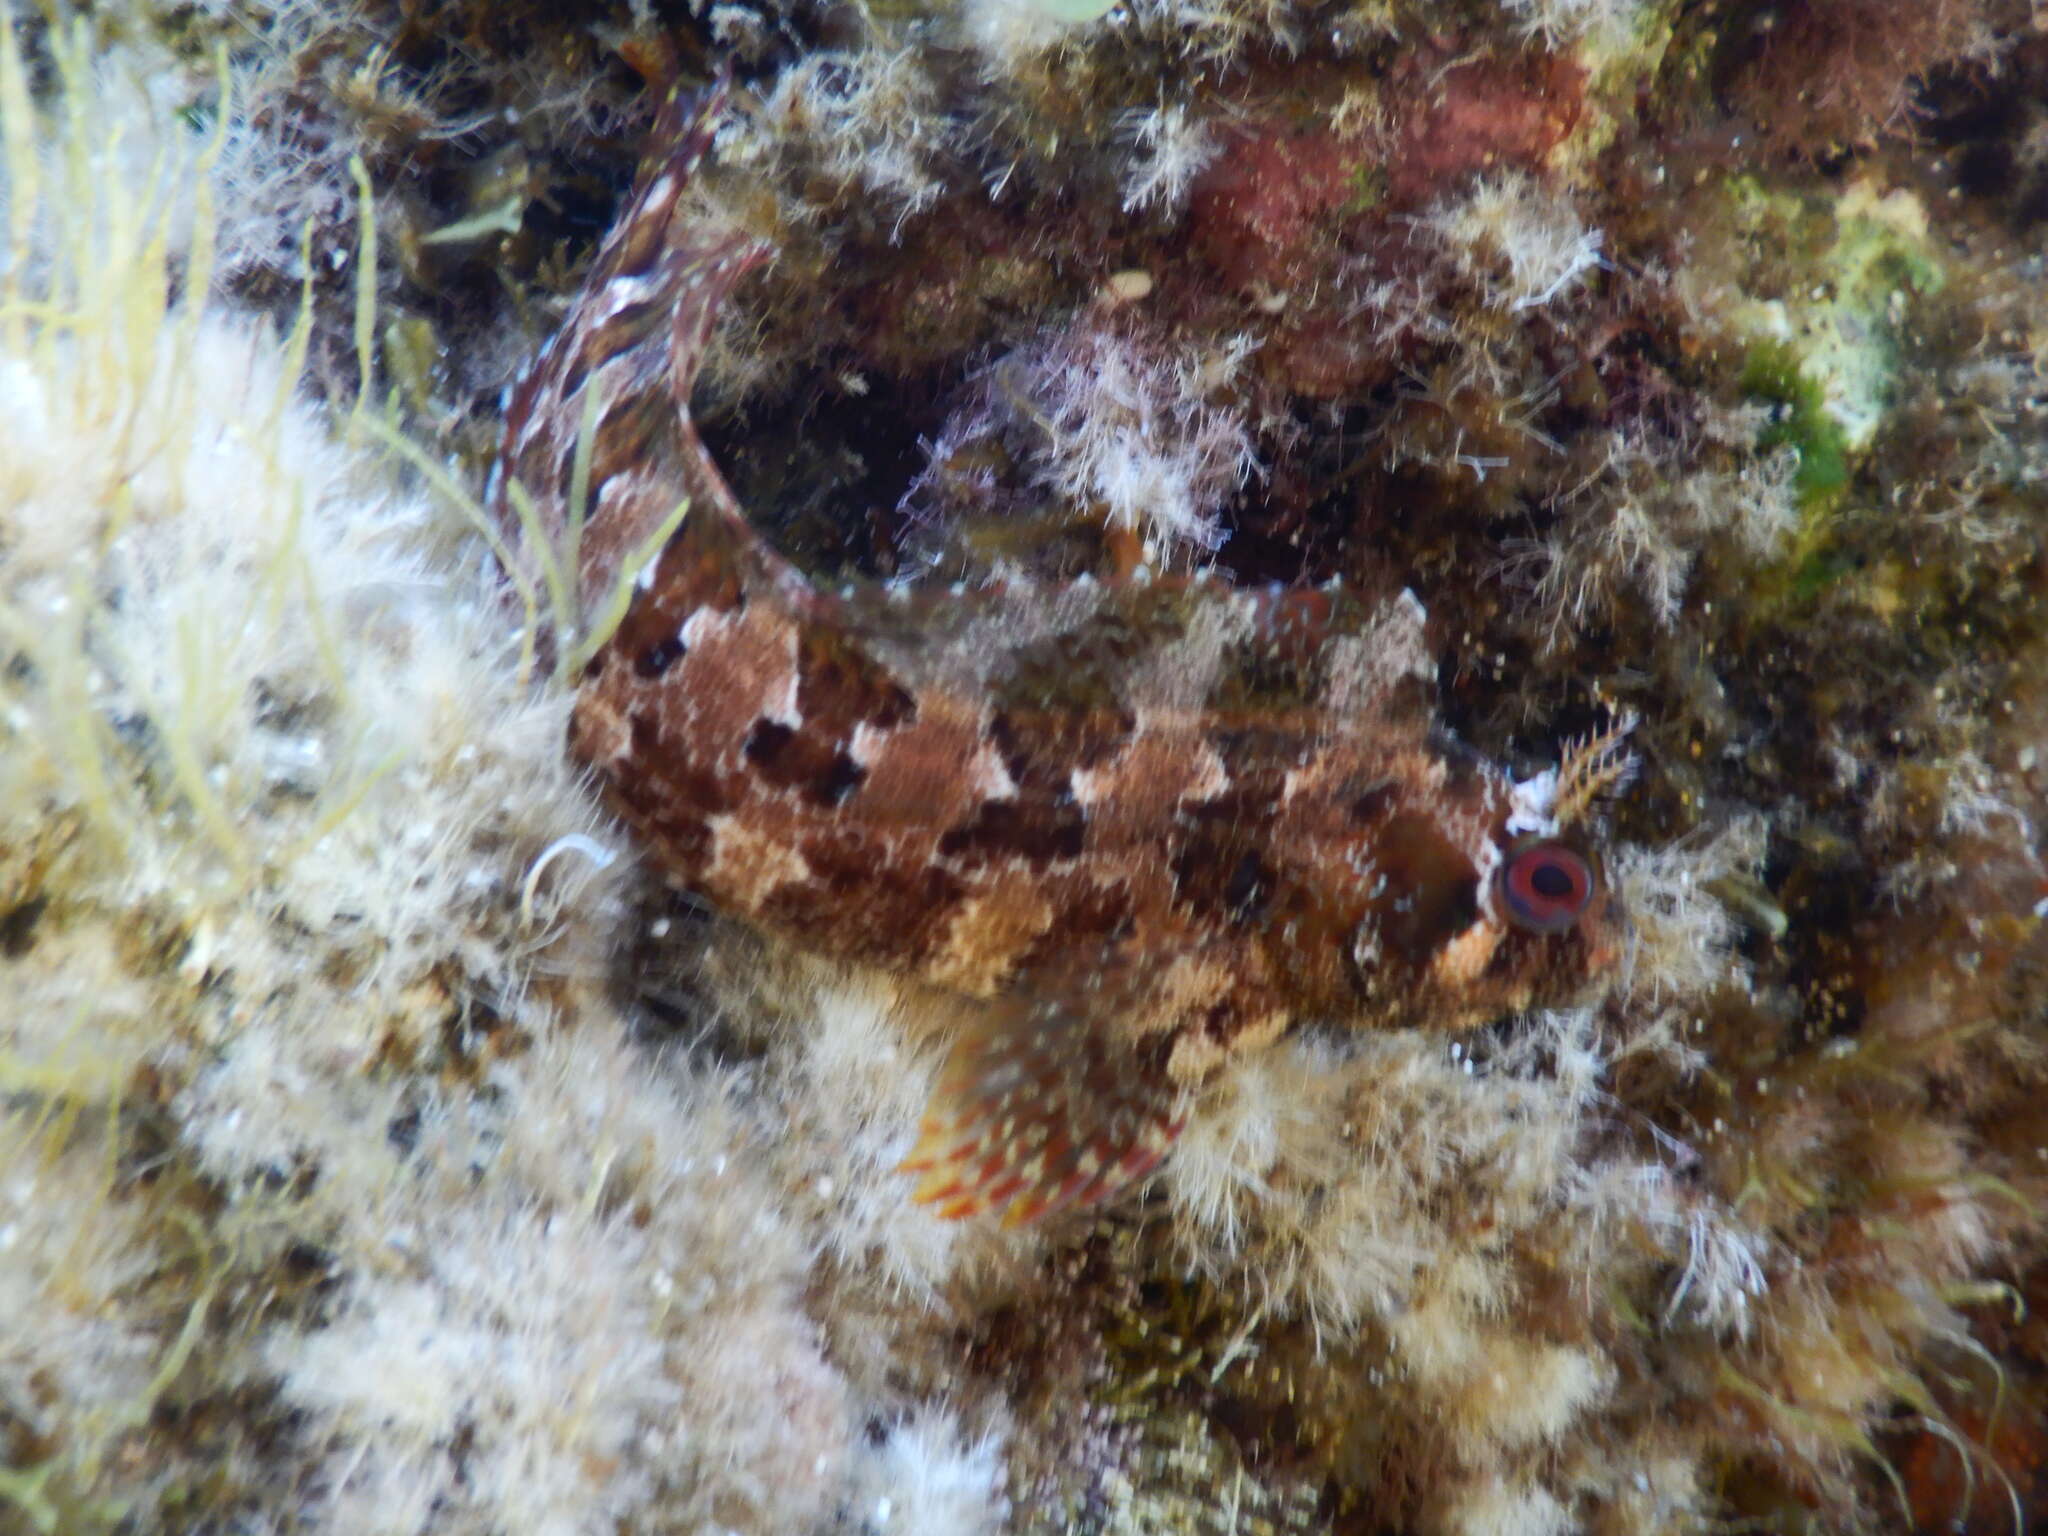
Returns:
(1137, 829)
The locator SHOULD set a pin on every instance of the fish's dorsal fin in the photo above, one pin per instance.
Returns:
(601, 453)
(1038, 1110)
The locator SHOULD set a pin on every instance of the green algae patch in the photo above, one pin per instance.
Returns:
(1367, 185)
(1823, 353)
(1851, 268)
(1800, 419)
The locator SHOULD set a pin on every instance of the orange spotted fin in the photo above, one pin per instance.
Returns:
(1035, 1112)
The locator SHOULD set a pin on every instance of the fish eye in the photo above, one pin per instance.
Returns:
(1546, 887)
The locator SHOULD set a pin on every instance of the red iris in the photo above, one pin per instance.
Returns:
(1546, 887)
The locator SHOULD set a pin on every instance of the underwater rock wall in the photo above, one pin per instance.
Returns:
(381, 1149)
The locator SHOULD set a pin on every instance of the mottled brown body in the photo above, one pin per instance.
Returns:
(1148, 826)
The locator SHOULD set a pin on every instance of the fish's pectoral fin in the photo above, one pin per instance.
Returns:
(1036, 1111)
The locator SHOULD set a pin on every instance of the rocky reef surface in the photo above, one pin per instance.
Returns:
(381, 1148)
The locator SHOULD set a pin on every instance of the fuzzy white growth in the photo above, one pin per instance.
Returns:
(1315, 1176)
(266, 744)
(1206, 30)
(1169, 149)
(1262, 1116)
(79, 1024)
(77, 1357)
(849, 1071)
(1532, 800)
(855, 1090)
(1634, 528)
(1564, 21)
(368, 799)
(274, 188)
(528, 1332)
(1135, 432)
(925, 1479)
(1974, 803)
(1500, 1508)
(1681, 932)
(1145, 433)
(1006, 33)
(1723, 1274)
(1321, 1177)
(602, 1322)
(1523, 239)
(866, 119)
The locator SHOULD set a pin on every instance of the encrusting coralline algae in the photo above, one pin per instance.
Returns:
(381, 1149)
